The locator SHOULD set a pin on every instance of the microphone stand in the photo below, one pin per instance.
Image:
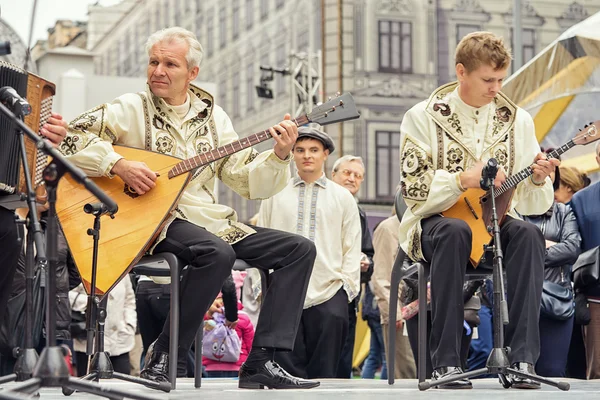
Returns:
(51, 369)
(497, 362)
(27, 356)
(100, 366)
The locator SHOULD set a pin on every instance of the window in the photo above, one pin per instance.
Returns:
(250, 87)
(223, 92)
(107, 65)
(178, 9)
(121, 57)
(249, 13)
(302, 41)
(236, 19)
(528, 43)
(387, 147)
(222, 27)
(264, 8)
(200, 27)
(236, 95)
(528, 39)
(395, 47)
(209, 33)
(166, 10)
(280, 62)
(157, 19)
(463, 30)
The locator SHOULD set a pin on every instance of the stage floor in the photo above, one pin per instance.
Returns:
(226, 389)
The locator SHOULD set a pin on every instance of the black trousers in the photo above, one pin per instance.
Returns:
(210, 260)
(9, 255)
(412, 328)
(446, 243)
(321, 337)
(344, 370)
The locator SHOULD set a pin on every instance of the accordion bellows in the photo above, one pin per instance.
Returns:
(39, 93)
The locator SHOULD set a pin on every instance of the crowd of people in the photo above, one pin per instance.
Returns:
(312, 241)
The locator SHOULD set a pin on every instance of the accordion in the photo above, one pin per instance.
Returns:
(38, 93)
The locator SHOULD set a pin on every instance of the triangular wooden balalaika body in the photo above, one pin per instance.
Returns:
(126, 238)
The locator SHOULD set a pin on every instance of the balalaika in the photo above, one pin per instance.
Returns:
(474, 207)
(125, 239)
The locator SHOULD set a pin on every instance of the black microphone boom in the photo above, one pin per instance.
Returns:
(18, 105)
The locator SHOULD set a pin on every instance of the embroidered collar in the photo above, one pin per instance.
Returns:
(201, 102)
(322, 181)
(442, 107)
(465, 109)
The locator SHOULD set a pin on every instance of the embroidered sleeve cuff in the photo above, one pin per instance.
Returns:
(455, 183)
(108, 162)
(534, 183)
(277, 162)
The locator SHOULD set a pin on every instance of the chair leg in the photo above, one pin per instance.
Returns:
(174, 328)
(198, 357)
(422, 323)
(264, 284)
(395, 279)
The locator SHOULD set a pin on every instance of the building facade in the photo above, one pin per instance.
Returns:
(390, 54)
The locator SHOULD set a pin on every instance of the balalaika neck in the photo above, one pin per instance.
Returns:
(226, 150)
(523, 174)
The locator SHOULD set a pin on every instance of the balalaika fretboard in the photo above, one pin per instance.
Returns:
(226, 150)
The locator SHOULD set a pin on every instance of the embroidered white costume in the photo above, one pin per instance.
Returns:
(442, 136)
(143, 120)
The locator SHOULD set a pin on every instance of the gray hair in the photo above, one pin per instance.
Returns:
(347, 158)
(195, 51)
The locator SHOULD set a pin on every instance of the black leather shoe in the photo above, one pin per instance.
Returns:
(524, 383)
(156, 366)
(446, 372)
(272, 376)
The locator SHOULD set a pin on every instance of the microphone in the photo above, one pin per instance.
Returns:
(488, 174)
(96, 209)
(17, 104)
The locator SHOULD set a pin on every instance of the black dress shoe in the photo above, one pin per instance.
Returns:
(272, 376)
(524, 383)
(156, 366)
(446, 372)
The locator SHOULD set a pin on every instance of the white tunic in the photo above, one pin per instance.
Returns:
(327, 214)
(440, 138)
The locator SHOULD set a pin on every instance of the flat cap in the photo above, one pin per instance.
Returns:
(306, 131)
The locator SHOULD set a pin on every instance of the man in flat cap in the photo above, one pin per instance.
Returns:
(324, 212)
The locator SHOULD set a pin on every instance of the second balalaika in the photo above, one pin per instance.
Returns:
(474, 207)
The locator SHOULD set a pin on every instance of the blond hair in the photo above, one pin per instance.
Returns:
(572, 178)
(482, 48)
